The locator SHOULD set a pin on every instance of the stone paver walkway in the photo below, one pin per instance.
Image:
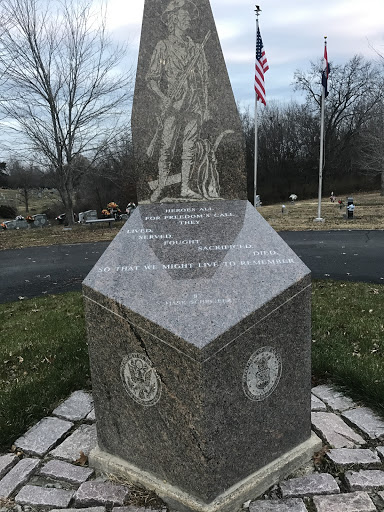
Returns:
(48, 470)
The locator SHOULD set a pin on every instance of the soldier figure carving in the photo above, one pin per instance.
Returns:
(178, 76)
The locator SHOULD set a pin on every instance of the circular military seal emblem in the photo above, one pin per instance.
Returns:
(140, 379)
(262, 373)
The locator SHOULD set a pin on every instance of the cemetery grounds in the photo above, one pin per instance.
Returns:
(297, 216)
(43, 350)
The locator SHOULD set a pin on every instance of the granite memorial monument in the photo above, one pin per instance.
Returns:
(199, 335)
(198, 313)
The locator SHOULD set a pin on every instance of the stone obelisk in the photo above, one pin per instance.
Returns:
(186, 128)
(198, 313)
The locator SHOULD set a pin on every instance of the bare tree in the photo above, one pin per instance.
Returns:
(3, 174)
(371, 160)
(356, 91)
(60, 87)
(113, 176)
(25, 178)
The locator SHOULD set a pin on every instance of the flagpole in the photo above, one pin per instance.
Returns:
(318, 218)
(256, 148)
(321, 160)
(257, 11)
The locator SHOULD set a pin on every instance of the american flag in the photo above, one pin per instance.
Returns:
(261, 67)
(326, 70)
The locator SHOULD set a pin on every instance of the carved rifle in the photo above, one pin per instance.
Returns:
(175, 92)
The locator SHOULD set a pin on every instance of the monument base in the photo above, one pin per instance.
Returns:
(249, 488)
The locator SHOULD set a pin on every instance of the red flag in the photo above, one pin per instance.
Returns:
(326, 70)
(261, 66)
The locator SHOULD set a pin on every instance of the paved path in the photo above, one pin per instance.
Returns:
(35, 271)
(347, 476)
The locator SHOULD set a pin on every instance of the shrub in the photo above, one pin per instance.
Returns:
(53, 211)
(7, 211)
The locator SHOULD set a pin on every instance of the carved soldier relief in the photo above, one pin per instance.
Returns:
(181, 142)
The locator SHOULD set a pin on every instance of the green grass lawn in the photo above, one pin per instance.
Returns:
(43, 350)
(43, 358)
(348, 338)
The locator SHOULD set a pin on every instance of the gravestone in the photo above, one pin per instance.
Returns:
(16, 224)
(39, 220)
(186, 130)
(199, 331)
(89, 215)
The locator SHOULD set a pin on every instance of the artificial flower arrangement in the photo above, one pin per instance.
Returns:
(112, 210)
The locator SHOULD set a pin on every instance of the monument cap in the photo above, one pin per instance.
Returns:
(174, 5)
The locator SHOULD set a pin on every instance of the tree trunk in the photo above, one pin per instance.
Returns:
(26, 199)
(382, 183)
(68, 204)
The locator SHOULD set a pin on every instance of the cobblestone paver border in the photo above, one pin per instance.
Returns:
(51, 473)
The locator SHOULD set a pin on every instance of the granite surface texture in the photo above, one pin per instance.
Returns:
(367, 421)
(336, 431)
(82, 440)
(7, 462)
(43, 436)
(27, 477)
(76, 407)
(45, 498)
(58, 469)
(197, 278)
(186, 128)
(198, 319)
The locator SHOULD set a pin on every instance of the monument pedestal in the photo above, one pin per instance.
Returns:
(199, 332)
(230, 500)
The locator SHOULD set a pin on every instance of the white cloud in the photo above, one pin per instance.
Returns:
(293, 35)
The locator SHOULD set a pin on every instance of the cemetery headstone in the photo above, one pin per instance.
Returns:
(10, 224)
(89, 215)
(186, 129)
(40, 220)
(16, 224)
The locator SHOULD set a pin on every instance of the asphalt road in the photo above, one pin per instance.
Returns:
(341, 255)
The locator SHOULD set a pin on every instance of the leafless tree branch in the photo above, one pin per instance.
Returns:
(61, 88)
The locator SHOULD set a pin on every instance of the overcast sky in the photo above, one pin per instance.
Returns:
(292, 31)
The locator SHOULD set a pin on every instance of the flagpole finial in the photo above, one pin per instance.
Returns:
(257, 11)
